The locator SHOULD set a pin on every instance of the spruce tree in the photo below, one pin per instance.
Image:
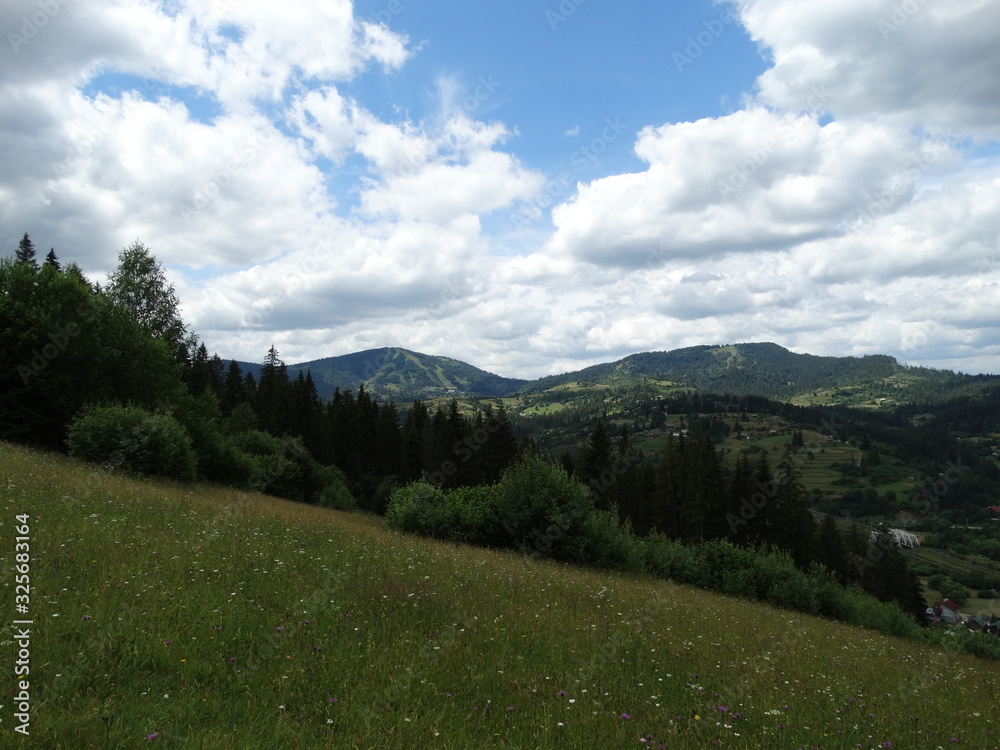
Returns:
(794, 527)
(739, 507)
(26, 252)
(595, 466)
(759, 529)
(830, 551)
(670, 488)
(233, 392)
(53, 261)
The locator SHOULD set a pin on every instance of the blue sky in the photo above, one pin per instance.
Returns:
(529, 186)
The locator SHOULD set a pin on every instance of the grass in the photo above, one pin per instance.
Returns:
(210, 618)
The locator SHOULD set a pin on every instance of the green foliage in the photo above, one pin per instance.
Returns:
(68, 347)
(282, 466)
(542, 509)
(139, 287)
(420, 508)
(336, 495)
(609, 543)
(133, 439)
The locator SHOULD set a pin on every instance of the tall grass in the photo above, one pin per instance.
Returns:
(193, 616)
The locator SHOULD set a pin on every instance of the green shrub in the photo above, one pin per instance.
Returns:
(610, 543)
(282, 466)
(133, 439)
(474, 513)
(669, 559)
(335, 493)
(276, 475)
(542, 510)
(420, 508)
(383, 492)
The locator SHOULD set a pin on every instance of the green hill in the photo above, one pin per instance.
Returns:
(766, 369)
(197, 616)
(401, 375)
(760, 369)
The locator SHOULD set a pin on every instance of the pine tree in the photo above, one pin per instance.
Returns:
(670, 487)
(52, 261)
(500, 448)
(415, 430)
(595, 466)
(760, 528)
(830, 550)
(233, 391)
(740, 509)
(794, 528)
(273, 392)
(702, 508)
(628, 491)
(26, 252)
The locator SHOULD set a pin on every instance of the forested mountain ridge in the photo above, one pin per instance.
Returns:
(399, 374)
(759, 369)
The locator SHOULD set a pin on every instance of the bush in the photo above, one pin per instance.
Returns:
(420, 508)
(669, 559)
(276, 475)
(282, 466)
(335, 495)
(474, 510)
(610, 543)
(542, 510)
(133, 439)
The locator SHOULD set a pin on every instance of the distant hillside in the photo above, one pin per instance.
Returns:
(758, 369)
(766, 369)
(400, 374)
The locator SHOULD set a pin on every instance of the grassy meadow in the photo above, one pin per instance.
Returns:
(203, 617)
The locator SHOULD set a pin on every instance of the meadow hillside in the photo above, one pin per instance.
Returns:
(204, 617)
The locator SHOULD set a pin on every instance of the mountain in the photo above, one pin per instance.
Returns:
(760, 369)
(401, 375)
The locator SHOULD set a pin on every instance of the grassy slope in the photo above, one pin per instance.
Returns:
(217, 618)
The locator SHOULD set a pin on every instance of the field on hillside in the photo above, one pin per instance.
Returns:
(196, 616)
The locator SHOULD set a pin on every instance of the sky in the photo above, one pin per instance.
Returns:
(530, 186)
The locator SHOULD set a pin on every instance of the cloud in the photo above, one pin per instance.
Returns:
(914, 62)
(755, 179)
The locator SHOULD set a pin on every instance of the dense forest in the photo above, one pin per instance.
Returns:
(113, 375)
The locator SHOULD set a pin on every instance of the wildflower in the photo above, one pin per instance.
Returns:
(152, 736)
(626, 717)
(86, 617)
